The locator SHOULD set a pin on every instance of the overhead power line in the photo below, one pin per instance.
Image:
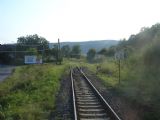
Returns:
(23, 51)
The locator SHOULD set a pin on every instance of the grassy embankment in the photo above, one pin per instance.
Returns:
(139, 83)
(29, 94)
(139, 79)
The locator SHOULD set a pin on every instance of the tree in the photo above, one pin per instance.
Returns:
(7, 57)
(107, 52)
(29, 40)
(110, 51)
(65, 50)
(32, 51)
(103, 51)
(76, 51)
(91, 54)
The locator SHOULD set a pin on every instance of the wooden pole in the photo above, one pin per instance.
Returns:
(119, 65)
(15, 54)
(59, 52)
(43, 54)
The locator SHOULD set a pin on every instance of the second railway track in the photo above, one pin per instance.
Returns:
(87, 101)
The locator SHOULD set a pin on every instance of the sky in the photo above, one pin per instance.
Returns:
(76, 20)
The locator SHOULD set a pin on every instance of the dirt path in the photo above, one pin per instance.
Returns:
(5, 71)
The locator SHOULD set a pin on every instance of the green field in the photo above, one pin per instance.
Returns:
(29, 94)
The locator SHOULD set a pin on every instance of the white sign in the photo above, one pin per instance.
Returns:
(119, 55)
(32, 59)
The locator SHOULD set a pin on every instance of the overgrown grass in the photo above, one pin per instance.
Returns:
(139, 81)
(107, 71)
(29, 94)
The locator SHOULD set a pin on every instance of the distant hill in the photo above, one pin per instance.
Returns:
(85, 46)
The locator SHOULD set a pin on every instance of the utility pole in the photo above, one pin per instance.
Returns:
(58, 52)
(60, 57)
(119, 55)
(15, 54)
(42, 53)
(119, 65)
(59, 44)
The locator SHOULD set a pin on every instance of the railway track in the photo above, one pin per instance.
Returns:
(87, 101)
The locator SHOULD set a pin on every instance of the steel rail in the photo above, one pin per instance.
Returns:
(109, 109)
(73, 96)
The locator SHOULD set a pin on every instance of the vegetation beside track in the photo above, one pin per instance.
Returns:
(139, 81)
(138, 84)
(140, 68)
(29, 94)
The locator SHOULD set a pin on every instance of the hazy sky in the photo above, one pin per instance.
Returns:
(76, 20)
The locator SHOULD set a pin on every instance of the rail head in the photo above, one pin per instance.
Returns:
(114, 115)
(73, 95)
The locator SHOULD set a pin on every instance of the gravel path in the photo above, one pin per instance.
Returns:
(5, 71)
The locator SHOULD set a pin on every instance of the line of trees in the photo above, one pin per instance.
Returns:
(39, 46)
(98, 56)
(71, 52)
